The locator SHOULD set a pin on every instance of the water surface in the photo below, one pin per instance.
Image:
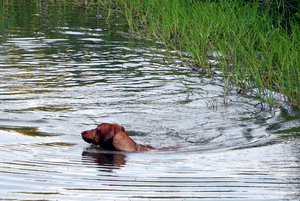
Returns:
(64, 70)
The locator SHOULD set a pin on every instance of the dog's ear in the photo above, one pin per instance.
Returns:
(106, 131)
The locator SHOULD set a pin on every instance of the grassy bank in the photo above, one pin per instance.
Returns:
(255, 44)
(257, 55)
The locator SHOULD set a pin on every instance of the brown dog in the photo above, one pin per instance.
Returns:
(112, 137)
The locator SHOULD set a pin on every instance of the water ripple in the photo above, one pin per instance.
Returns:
(53, 86)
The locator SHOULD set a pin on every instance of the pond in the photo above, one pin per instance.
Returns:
(66, 69)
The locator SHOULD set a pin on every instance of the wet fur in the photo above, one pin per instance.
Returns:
(112, 137)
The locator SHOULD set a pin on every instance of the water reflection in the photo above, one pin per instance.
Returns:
(247, 134)
(295, 173)
(106, 162)
(64, 70)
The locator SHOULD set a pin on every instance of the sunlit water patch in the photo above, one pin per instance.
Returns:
(68, 77)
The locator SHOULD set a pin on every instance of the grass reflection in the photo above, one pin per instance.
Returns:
(29, 131)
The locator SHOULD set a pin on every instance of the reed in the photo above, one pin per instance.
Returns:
(257, 56)
(254, 44)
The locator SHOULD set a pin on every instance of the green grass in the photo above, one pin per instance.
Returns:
(256, 43)
(258, 56)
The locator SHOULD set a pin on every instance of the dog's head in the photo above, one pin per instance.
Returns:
(102, 135)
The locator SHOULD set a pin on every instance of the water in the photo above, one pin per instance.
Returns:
(64, 69)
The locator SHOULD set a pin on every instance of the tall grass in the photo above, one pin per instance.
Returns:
(256, 55)
(255, 43)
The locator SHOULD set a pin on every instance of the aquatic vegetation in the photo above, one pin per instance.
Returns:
(257, 55)
(255, 44)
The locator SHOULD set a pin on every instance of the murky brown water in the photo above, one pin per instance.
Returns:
(64, 70)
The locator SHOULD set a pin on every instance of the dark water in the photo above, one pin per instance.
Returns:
(64, 69)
